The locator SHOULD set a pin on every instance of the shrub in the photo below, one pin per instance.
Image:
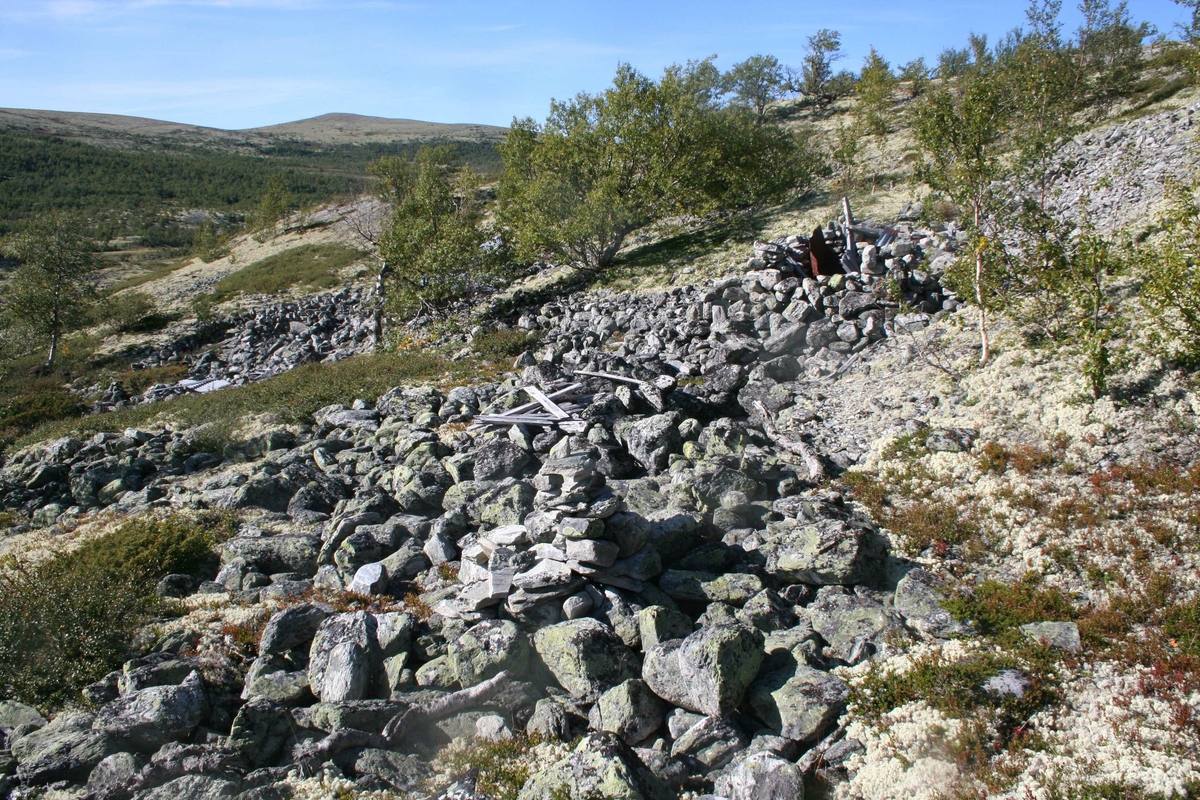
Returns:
(501, 344)
(313, 266)
(66, 621)
(26, 412)
(131, 312)
(995, 607)
(503, 766)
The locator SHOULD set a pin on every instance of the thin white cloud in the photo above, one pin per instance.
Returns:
(12, 53)
(28, 10)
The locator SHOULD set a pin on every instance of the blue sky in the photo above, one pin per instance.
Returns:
(245, 63)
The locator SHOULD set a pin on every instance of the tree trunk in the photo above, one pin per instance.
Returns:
(385, 272)
(53, 351)
(983, 334)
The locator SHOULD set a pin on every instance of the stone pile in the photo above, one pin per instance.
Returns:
(665, 581)
(254, 345)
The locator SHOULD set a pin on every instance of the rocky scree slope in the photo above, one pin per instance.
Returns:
(665, 581)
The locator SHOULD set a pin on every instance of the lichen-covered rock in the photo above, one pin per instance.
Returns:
(506, 504)
(1060, 635)
(630, 710)
(709, 671)
(600, 766)
(694, 586)
(831, 551)
(145, 719)
(193, 787)
(585, 656)
(260, 730)
(65, 750)
(798, 703)
(342, 656)
(651, 441)
(762, 776)
(919, 600)
(293, 627)
(272, 554)
(844, 619)
(713, 741)
(659, 624)
(486, 649)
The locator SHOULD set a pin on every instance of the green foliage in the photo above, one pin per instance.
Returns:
(756, 82)
(916, 75)
(954, 688)
(876, 85)
(309, 266)
(434, 245)
(822, 49)
(141, 190)
(292, 396)
(953, 63)
(503, 765)
(603, 166)
(996, 608)
(1170, 278)
(207, 244)
(501, 344)
(52, 289)
(844, 155)
(130, 312)
(1110, 50)
(272, 206)
(66, 621)
(25, 412)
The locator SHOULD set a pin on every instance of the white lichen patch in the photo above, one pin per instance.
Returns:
(1112, 731)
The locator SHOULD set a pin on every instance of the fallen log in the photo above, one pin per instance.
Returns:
(816, 470)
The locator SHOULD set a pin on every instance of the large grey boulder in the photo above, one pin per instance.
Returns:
(844, 620)
(293, 627)
(713, 741)
(15, 715)
(762, 776)
(404, 773)
(342, 657)
(651, 441)
(499, 458)
(798, 703)
(600, 766)
(486, 649)
(919, 600)
(145, 719)
(260, 730)
(272, 554)
(193, 787)
(585, 656)
(65, 750)
(830, 551)
(709, 671)
(630, 710)
(1060, 635)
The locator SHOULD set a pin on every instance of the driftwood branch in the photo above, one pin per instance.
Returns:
(309, 757)
(816, 470)
(444, 706)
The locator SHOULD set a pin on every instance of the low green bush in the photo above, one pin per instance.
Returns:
(67, 620)
(24, 413)
(311, 266)
(131, 312)
(500, 344)
(292, 396)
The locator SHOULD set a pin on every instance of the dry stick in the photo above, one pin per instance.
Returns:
(816, 470)
(312, 756)
(444, 706)
(611, 377)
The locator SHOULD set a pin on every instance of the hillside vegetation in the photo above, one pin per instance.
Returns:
(904, 510)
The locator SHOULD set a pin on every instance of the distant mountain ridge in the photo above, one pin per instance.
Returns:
(338, 128)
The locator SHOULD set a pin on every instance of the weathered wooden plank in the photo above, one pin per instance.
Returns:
(540, 397)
